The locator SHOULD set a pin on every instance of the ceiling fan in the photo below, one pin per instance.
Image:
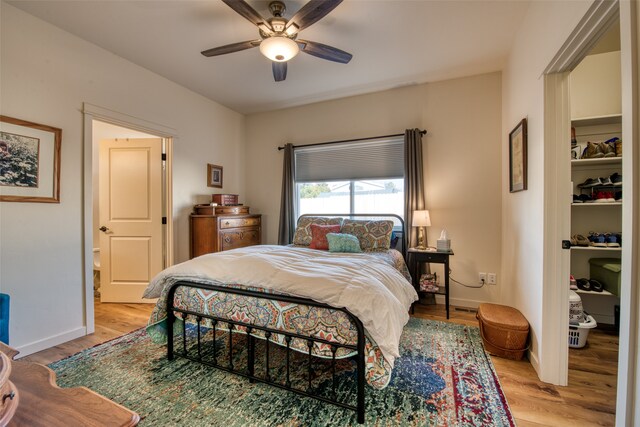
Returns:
(278, 36)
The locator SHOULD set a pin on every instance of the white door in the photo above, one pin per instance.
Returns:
(130, 193)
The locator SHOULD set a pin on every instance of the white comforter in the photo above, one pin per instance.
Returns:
(374, 291)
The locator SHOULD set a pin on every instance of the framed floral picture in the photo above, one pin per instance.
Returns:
(518, 157)
(214, 176)
(29, 161)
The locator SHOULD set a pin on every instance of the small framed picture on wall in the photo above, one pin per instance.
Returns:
(214, 176)
(518, 157)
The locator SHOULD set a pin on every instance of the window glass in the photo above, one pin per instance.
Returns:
(374, 196)
(323, 197)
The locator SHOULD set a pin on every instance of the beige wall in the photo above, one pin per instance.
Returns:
(543, 31)
(461, 160)
(46, 75)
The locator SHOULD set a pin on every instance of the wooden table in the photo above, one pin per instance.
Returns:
(43, 403)
(418, 257)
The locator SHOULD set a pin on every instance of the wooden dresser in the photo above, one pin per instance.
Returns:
(220, 228)
(32, 398)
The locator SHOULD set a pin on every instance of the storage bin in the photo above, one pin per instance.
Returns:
(578, 334)
(607, 272)
(504, 330)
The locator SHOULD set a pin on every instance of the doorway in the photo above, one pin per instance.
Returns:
(136, 134)
(559, 173)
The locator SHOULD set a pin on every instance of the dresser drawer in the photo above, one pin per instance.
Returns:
(239, 222)
(232, 239)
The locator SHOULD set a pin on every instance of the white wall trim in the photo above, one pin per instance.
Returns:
(600, 16)
(94, 112)
(533, 359)
(554, 353)
(628, 408)
(49, 342)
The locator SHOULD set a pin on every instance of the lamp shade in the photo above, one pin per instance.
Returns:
(421, 219)
(279, 49)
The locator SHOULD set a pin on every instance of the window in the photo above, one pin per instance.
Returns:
(355, 177)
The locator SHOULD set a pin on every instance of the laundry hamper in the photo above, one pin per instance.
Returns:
(580, 323)
(504, 330)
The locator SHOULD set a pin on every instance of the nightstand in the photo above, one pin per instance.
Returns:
(418, 257)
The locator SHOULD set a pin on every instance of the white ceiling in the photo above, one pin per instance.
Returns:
(394, 43)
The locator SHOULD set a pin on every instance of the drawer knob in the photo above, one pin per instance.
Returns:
(9, 396)
(226, 223)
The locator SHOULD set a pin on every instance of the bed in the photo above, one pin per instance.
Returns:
(270, 304)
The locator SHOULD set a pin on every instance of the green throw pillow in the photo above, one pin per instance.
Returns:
(343, 243)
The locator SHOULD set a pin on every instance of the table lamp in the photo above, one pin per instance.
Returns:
(421, 219)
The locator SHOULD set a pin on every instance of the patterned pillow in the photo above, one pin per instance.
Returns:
(303, 236)
(319, 235)
(370, 234)
(343, 243)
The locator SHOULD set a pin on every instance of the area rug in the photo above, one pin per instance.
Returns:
(443, 378)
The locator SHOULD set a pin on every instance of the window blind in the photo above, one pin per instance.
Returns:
(374, 159)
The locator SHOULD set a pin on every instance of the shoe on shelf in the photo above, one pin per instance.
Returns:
(608, 149)
(592, 151)
(606, 181)
(604, 197)
(576, 199)
(585, 198)
(579, 240)
(611, 240)
(618, 196)
(616, 143)
(584, 285)
(597, 240)
(616, 179)
(596, 286)
(590, 182)
(573, 284)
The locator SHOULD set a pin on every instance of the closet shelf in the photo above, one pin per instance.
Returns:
(597, 204)
(597, 162)
(603, 293)
(594, 248)
(598, 120)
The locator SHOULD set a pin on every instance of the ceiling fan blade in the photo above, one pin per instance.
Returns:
(279, 70)
(311, 13)
(242, 8)
(324, 51)
(230, 48)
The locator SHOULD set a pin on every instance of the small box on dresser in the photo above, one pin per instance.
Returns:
(221, 228)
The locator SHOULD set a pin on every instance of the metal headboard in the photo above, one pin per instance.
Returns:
(404, 249)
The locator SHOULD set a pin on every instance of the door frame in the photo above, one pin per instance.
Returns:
(556, 92)
(93, 112)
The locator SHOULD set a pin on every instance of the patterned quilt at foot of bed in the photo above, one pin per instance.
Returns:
(331, 325)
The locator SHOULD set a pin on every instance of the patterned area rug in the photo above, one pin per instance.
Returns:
(443, 378)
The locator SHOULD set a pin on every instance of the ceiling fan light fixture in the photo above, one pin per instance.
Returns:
(279, 49)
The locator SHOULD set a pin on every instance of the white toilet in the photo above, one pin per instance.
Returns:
(96, 272)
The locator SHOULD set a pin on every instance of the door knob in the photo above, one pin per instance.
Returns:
(103, 229)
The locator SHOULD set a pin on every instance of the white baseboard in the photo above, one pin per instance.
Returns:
(459, 302)
(533, 359)
(49, 342)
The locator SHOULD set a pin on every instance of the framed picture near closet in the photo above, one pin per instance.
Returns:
(29, 161)
(518, 157)
(214, 176)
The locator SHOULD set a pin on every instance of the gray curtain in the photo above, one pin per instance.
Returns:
(287, 202)
(413, 183)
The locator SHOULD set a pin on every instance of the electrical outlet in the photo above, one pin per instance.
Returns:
(482, 278)
(493, 278)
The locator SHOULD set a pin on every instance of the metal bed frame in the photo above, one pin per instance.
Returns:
(248, 371)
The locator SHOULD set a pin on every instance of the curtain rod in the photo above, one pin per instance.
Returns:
(422, 132)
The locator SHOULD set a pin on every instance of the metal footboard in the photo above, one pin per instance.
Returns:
(249, 371)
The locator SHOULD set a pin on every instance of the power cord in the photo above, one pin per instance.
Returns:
(466, 286)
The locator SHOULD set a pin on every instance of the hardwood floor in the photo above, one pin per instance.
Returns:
(589, 400)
